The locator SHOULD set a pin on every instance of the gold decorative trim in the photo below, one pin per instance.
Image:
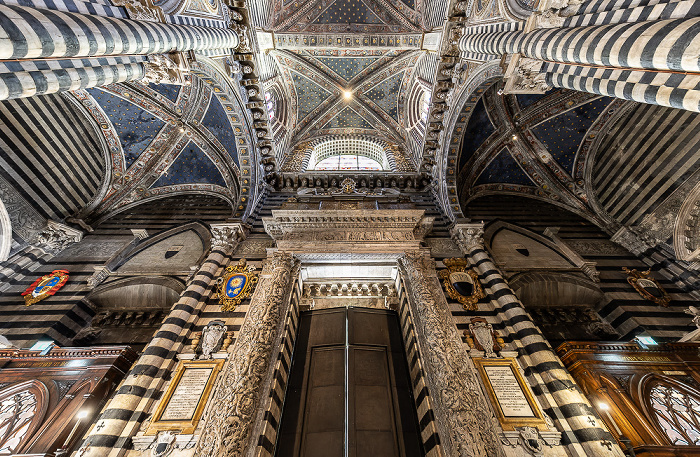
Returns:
(232, 294)
(457, 265)
(510, 422)
(637, 280)
(185, 426)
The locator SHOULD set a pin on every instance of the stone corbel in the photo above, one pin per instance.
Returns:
(588, 268)
(532, 440)
(56, 237)
(171, 68)
(522, 76)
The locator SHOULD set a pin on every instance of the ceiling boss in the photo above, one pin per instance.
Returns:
(236, 285)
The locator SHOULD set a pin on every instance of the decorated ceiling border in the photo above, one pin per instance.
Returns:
(248, 153)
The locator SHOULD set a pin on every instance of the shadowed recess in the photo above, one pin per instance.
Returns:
(479, 128)
(525, 100)
(348, 119)
(217, 122)
(169, 91)
(192, 166)
(136, 127)
(562, 134)
(503, 169)
(347, 67)
(385, 95)
(309, 95)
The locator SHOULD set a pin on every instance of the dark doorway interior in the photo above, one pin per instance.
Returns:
(349, 391)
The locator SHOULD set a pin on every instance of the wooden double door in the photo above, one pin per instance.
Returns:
(349, 391)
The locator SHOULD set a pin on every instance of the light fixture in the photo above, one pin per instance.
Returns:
(347, 94)
(514, 137)
(603, 406)
(82, 414)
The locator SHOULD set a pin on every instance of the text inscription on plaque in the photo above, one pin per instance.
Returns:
(508, 392)
(187, 395)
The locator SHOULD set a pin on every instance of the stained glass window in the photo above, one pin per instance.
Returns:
(348, 162)
(424, 106)
(16, 414)
(348, 154)
(677, 413)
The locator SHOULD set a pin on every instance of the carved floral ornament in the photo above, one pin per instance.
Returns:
(237, 284)
(647, 286)
(462, 283)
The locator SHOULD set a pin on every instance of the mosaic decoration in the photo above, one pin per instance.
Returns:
(309, 94)
(348, 118)
(647, 287)
(385, 95)
(237, 284)
(347, 67)
(562, 135)
(461, 283)
(136, 127)
(503, 168)
(192, 165)
(45, 286)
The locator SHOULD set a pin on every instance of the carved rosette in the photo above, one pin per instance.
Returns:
(466, 424)
(234, 404)
(468, 236)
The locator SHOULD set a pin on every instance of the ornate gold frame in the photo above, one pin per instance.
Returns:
(455, 265)
(633, 277)
(184, 426)
(510, 423)
(228, 303)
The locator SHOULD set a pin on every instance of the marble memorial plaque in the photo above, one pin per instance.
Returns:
(187, 395)
(508, 392)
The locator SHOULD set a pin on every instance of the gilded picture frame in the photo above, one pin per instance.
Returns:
(509, 421)
(458, 266)
(642, 281)
(237, 284)
(164, 418)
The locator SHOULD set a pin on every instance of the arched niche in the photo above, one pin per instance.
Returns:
(22, 410)
(548, 289)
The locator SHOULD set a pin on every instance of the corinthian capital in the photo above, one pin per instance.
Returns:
(468, 235)
(223, 235)
(56, 237)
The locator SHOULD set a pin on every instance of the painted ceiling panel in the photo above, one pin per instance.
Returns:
(309, 94)
(348, 118)
(525, 100)
(385, 95)
(136, 127)
(217, 122)
(562, 134)
(347, 67)
(192, 166)
(169, 91)
(504, 169)
(410, 3)
(479, 128)
(348, 12)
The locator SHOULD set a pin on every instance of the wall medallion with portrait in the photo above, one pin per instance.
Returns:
(461, 283)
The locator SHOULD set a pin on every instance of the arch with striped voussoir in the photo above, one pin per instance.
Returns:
(5, 233)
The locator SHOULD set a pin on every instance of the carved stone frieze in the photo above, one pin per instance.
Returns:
(468, 235)
(25, 220)
(630, 240)
(466, 424)
(231, 415)
(56, 237)
(349, 289)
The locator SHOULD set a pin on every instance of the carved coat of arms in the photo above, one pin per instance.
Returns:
(461, 283)
(45, 286)
(236, 285)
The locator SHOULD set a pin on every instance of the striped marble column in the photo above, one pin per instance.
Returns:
(30, 33)
(583, 432)
(235, 410)
(466, 425)
(124, 414)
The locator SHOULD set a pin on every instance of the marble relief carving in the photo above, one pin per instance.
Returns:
(232, 410)
(466, 423)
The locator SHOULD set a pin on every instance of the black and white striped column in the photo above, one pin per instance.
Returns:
(124, 414)
(233, 418)
(582, 431)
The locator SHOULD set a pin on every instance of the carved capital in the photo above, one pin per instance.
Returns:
(56, 237)
(630, 240)
(172, 68)
(100, 274)
(523, 76)
(468, 235)
(223, 235)
(141, 10)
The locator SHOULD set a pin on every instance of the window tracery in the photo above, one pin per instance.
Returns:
(348, 154)
(16, 414)
(677, 413)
